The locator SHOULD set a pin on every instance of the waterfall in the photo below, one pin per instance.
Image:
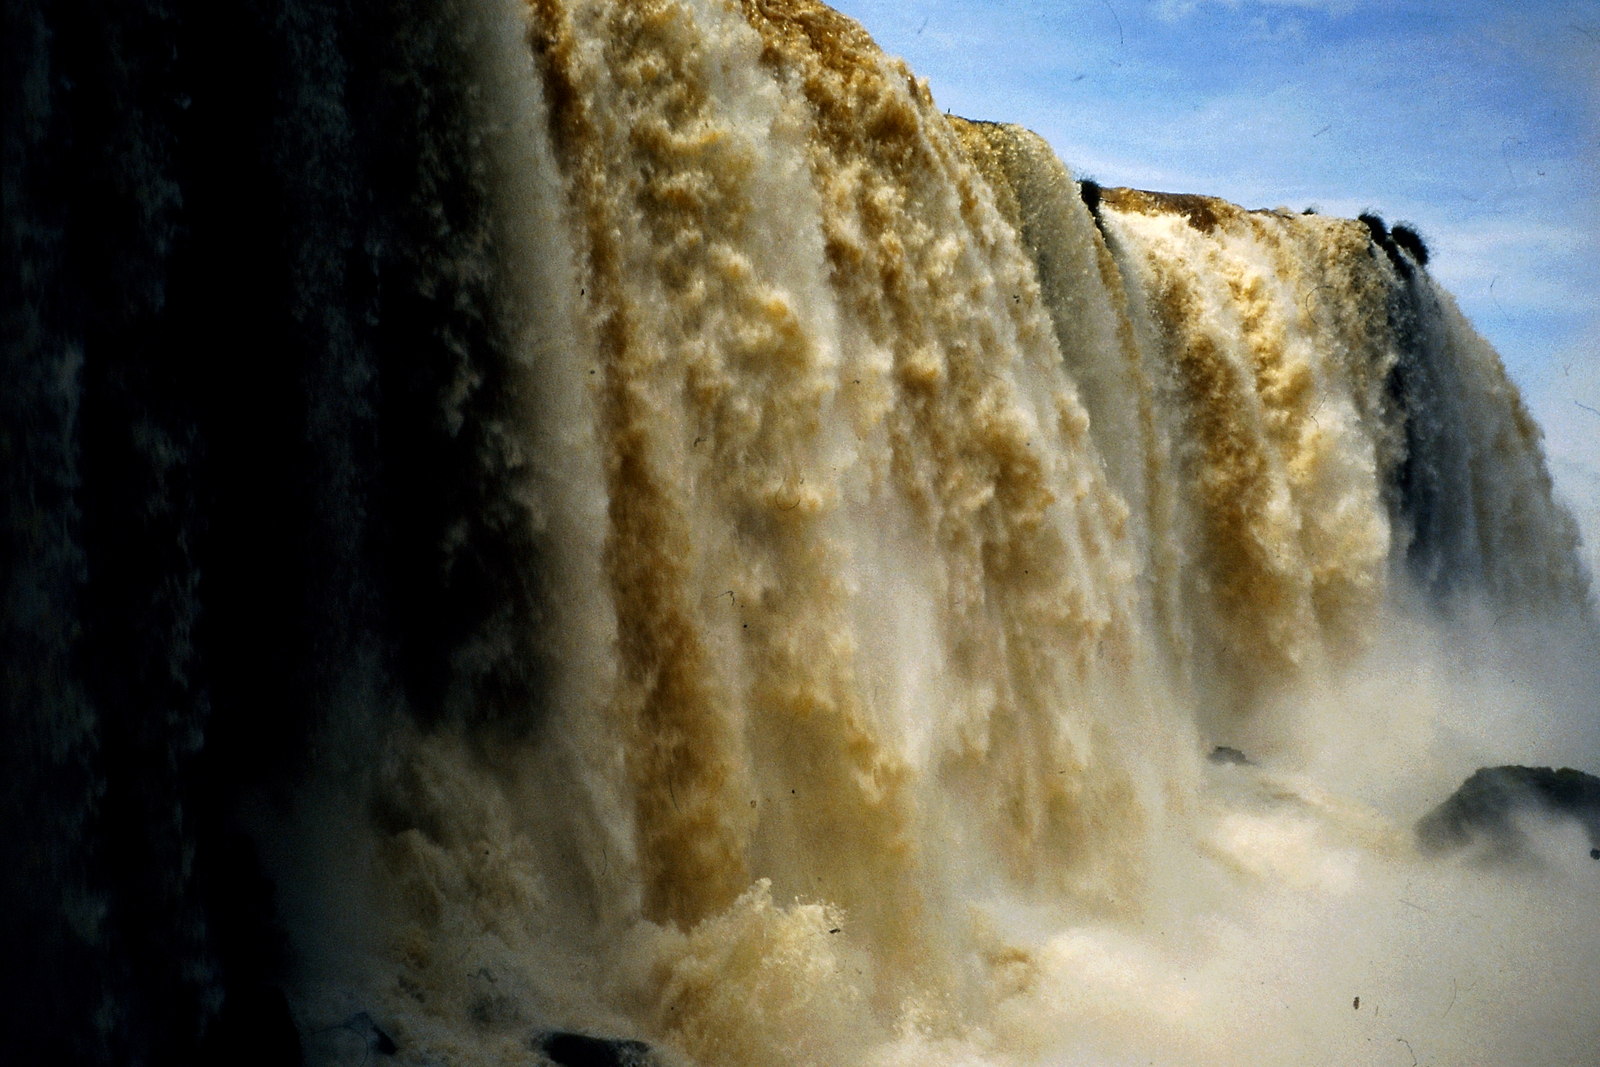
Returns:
(626, 519)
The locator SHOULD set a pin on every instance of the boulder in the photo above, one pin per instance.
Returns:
(1488, 803)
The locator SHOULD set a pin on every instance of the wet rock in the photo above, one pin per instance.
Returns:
(1488, 803)
(581, 1050)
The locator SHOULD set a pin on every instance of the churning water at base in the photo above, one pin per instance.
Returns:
(623, 518)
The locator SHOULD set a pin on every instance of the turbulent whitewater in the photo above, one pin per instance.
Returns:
(626, 519)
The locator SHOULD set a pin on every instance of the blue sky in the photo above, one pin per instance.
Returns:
(1477, 121)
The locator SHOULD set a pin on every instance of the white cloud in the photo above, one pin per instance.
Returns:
(1520, 263)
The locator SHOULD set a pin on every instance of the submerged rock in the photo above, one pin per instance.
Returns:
(581, 1050)
(1488, 803)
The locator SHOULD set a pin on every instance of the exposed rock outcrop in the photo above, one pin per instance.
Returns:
(1487, 807)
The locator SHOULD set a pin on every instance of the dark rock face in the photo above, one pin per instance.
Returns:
(581, 1050)
(257, 341)
(1486, 806)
